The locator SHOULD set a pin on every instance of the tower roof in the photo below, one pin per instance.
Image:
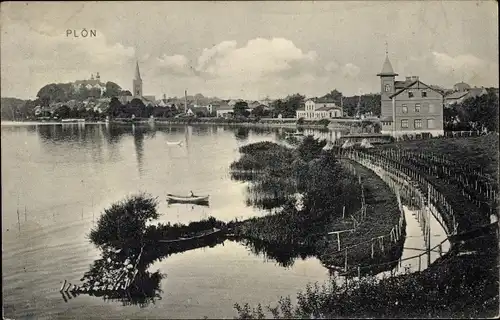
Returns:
(387, 68)
(137, 73)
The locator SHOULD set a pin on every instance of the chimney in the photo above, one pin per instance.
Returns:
(185, 101)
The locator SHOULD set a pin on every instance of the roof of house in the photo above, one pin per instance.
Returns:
(328, 108)
(477, 92)
(402, 84)
(224, 106)
(199, 109)
(462, 84)
(411, 85)
(456, 95)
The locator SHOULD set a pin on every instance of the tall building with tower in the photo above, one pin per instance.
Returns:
(409, 106)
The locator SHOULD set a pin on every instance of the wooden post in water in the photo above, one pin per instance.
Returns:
(25, 216)
(18, 221)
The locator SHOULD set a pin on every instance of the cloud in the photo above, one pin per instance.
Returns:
(48, 55)
(331, 66)
(258, 59)
(449, 64)
(350, 70)
(176, 64)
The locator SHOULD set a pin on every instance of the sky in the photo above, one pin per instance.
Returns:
(248, 50)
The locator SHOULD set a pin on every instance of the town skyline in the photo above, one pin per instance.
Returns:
(255, 58)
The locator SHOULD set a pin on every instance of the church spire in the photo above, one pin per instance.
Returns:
(137, 73)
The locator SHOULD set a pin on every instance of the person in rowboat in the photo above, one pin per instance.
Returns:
(192, 194)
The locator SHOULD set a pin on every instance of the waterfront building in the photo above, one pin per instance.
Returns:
(317, 109)
(409, 106)
(224, 110)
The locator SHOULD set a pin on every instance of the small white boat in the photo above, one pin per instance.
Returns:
(188, 199)
(174, 143)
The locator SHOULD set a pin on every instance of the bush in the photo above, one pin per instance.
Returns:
(324, 122)
(300, 121)
(124, 223)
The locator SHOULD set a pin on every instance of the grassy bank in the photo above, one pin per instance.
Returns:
(328, 191)
(464, 283)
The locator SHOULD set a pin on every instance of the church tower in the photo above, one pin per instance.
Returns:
(387, 81)
(137, 82)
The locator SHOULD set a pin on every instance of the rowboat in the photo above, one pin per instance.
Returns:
(174, 143)
(200, 235)
(188, 199)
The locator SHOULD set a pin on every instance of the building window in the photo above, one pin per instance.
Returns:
(430, 123)
(405, 108)
(410, 94)
(404, 123)
(424, 94)
(431, 108)
(418, 124)
(417, 107)
(387, 87)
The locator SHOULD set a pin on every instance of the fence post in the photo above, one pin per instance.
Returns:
(345, 268)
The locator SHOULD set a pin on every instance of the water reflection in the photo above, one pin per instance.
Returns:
(123, 275)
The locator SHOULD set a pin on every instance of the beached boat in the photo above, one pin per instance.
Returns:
(199, 235)
(188, 199)
(174, 143)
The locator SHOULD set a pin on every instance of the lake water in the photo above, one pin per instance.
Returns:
(57, 179)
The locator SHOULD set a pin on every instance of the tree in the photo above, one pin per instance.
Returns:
(335, 96)
(125, 93)
(123, 225)
(63, 112)
(52, 93)
(137, 103)
(115, 107)
(259, 111)
(112, 90)
(310, 148)
(288, 107)
(240, 109)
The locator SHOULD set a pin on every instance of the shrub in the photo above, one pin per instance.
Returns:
(124, 223)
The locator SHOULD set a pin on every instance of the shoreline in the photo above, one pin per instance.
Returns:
(287, 125)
